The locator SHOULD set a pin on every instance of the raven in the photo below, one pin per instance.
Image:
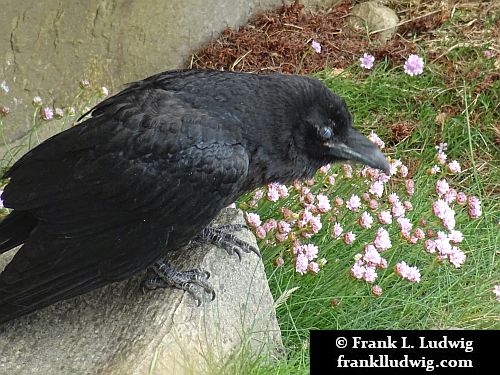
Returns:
(151, 168)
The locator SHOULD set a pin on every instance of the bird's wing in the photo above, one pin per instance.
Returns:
(111, 192)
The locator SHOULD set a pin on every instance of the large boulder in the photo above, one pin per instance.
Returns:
(118, 330)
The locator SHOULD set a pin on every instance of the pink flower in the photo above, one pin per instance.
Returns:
(316, 224)
(365, 220)
(47, 114)
(323, 203)
(258, 195)
(461, 198)
(272, 193)
(260, 232)
(367, 61)
(313, 267)
(349, 238)
(376, 139)
(347, 168)
(284, 227)
(370, 274)
(310, 251)
(384, 217)
(358, 270)
(414, 65)
(440, 208)
(404, 224)
(410, 187)
(450, 196)
(474, 207)
(393, 198)
(253, 219)
(301, 264)
(456, 236)
(382, 240)
(393, 167)
(407, 205)
(397, 209)
(373, 204)
(324, 169)
(487, 54)
(407, 272)
(372, 255)
(430, 246)
(403, 171)
(457, 257)
(441, 157)
(377, 290)
(419, 233)
(37, 101)
(449, 220)
(442, 187)
(354, 203)
(279, 261)
(454, 166)
(316, 46)
(377, 188)
(435, 169)
(281, 236)
(282, 190)
(496, 292)
(337, 230)
(331, 180)
(442, 243)
(338, 201)
(270, 225)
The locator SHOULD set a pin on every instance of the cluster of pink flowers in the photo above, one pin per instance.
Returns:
(383, 206)
(413, 66)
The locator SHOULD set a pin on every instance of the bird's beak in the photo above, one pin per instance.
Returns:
(358, 148)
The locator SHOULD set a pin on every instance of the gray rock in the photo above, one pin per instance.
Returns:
(372, 16)
(118, 330)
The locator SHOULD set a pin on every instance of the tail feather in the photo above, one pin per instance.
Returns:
(15, 229)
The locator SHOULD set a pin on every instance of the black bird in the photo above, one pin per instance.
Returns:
(151, 168)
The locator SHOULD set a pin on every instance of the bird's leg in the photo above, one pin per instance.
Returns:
(163, 275)
(219, 236)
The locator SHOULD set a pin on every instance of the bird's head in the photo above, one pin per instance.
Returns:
(328, 133)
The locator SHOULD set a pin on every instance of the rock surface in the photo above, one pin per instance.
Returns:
(118, 330)
(373, 16)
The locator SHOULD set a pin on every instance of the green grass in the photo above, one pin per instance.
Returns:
(446, 297)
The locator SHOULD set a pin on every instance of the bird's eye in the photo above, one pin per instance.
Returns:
(325, 133)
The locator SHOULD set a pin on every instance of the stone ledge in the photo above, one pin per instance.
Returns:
(119, 330)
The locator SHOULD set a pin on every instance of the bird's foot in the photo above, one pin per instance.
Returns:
(219, 236)
(163, 275)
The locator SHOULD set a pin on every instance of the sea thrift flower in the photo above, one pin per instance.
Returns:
(103, 91)
(393, 198)
(454, 166)
(456, 257)
(4, 110)
(337, 230)
(367, 61)
(354, 203)
(435, 169)
(487, 54)
(349, 238)
(365, 220)
(301, 264)
(316, 46)
(47, 114)
(253, 219)
(442, 243)
(370, 275)
(347, 168)
(384, 217)
(270, 225)
(407, 205)
(496, 292)
(450, 196)
(272, 193)
(338, 201)
(419, 233)
(324, 169)
(331, 180)
(410, 187)
(461, 198)
(403, 171)
(430, 246)
(442, 187)
(282, 190)
(260, 232)
(398, 209)
(441, 158)
(323, 203)
(372, 255)
(376, 139)
(358, 270)
(474, 207)
(313, 267)
(279, 261)
(404, 224)
(382, 240)
(37, 101)
(410, 273)
(373, 204)
(377, 188)
(440, 208)
(377, 290)
(414, 65)
(456, 236)
(283, 227)
(310, 251)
